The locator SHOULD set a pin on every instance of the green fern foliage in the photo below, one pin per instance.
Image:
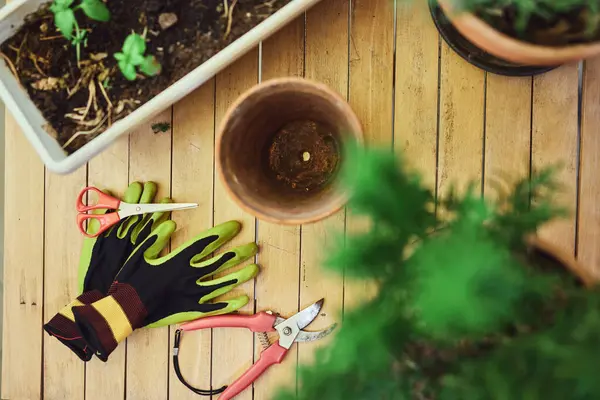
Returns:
(463, 309)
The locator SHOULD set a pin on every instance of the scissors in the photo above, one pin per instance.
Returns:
(121, 210)
(290, 331)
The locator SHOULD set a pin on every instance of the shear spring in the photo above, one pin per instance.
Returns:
(264, 340)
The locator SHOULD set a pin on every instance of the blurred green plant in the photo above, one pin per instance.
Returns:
(464, 309)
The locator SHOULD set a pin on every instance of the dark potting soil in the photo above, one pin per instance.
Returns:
(303, 155)
(561, 29)
(91, 97)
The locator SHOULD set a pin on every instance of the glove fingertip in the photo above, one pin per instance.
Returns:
(236, 303)
(253, 248)
(135, 185)
(148, 193)
(250, 271)
(158, 240)
(229, 228)
(133, 193)
(169, 226)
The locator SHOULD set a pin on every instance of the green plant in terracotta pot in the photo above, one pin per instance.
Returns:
(531, 32)
(469, 304)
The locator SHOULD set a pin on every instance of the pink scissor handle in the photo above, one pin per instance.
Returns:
(105, 201)
(259, 322)
(105, 220)
(273, 355)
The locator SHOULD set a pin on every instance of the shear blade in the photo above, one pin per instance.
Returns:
(312, 336)
(306, 316)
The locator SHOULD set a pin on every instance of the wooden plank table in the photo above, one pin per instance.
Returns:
(452, 121)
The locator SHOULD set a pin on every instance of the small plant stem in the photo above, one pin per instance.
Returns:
(103, 90)
(33, 58)
(229, 19)
(51, 37)
(90, 132)
(18, 59)
(10, 65)
(77, 44)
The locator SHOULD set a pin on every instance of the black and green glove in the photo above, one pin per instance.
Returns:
(150, 291)
(101, 259)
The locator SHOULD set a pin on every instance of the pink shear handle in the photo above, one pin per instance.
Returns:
(259, 322)
(105, 220)
(273, 355)
(104, 201)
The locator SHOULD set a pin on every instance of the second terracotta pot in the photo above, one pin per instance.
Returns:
(280, 149)
(508, 48)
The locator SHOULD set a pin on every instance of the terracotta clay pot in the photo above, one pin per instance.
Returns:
(500, 45)
(280, 148)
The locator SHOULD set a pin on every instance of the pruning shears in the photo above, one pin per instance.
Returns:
(290, 331)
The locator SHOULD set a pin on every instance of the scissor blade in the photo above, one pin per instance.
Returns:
(306, 316)
(152, 208)
(128, 209)
(312, 336)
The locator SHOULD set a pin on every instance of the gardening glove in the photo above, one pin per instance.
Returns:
(151, 291)
(101, 259)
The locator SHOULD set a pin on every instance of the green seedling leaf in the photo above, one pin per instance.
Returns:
(132, 56)
(65, 21)
(150, 66)
(59, 5)
(128, 70)
(136, 59)
(134, 44)
(96, 10)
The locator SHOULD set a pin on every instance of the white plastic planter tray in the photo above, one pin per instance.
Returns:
(31, 121)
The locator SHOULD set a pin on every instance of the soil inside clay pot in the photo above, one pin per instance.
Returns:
(92, 96)
(303, 156)
(557, 29)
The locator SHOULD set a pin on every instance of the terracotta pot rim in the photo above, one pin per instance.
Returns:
(338, 200)
(568, 260)
(501, 45)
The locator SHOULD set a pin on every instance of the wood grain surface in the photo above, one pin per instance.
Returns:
(277, 289)
(23, 303)
(555, 141)
(233, 349)
(588, 215)
(109, 171)
(147, 370)
(371, 96)
(61, 258)
(326, 61)
(452, 122)
(193, 180)
(416, 101)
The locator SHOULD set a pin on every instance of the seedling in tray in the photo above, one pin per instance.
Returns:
(132, 56)
(65, 21)
(118, 43)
